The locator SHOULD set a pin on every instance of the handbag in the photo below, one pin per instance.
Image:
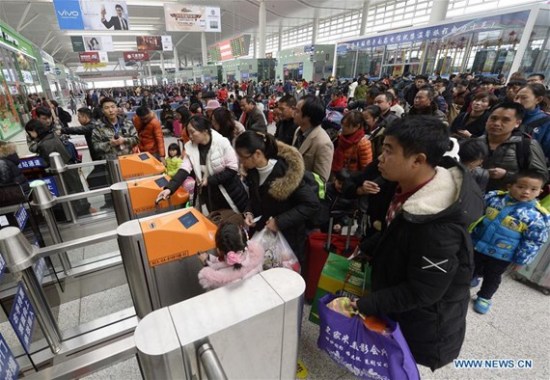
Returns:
(226, 215)
(277, 251)
(366, 353)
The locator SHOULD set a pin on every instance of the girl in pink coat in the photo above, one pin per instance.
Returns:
(237, 258)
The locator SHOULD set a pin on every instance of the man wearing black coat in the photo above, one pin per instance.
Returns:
(422, 261)
(286, 127)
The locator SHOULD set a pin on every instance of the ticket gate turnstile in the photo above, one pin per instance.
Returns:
(137, 198)
(159, 257)
(248, 330)
(135, 165)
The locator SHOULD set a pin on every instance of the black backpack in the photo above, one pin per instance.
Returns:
(64, 116)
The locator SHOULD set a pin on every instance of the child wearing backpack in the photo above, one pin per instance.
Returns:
(512, 230)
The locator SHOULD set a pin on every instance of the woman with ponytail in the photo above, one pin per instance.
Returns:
(279, 198)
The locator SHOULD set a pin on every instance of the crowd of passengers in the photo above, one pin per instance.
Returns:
(409, 157)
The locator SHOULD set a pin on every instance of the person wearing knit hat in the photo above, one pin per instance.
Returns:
(210, 107)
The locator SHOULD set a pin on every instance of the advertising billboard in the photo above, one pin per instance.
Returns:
(135, 56)
(92, 43)
(89, 57)
(156, 43)
(92, 15)
(192, 18)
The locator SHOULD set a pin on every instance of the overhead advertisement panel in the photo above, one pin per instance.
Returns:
(192, 18)
(89, 57)
(92, 43)
(92, 15)
(135, 56)
(157, 43)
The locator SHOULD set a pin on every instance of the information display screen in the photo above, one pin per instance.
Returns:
(161, 182)
(188, 220)
(143, 156)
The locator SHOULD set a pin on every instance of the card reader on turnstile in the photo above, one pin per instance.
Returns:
(159, 257)
(137, 197)
(139, 165)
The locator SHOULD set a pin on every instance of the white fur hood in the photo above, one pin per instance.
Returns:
(437, 195)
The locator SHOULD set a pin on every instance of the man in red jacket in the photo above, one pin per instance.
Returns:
(150, 134)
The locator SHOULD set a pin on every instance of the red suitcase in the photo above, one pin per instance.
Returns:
(317, 254)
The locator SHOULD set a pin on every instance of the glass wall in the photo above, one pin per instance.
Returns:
(484, 45)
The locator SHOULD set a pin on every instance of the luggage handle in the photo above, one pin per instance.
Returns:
(328, 244)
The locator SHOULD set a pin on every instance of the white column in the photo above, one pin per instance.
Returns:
(315, 26)
(363, 29)
(176, 60)
(204, 49)
(439, 11)
(523, 43)
(261, 30)
(280, 39)
(254, 41)
(162, 62)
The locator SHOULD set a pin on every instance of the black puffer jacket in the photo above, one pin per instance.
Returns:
(423, 264)
(285, 131)
(10, 174)
(285, 196)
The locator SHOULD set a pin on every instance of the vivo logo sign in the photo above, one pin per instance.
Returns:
(66, 13)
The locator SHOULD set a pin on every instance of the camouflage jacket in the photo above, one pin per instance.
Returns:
(104, 131)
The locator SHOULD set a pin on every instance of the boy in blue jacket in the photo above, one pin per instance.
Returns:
(512, 230)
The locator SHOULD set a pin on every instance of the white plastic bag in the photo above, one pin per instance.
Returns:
(277, 251)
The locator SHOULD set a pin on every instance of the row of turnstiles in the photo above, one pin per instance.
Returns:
(175, 329)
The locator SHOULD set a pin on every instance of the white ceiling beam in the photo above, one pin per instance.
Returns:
(33, 18)
(46, 41)
(181, 39)
(57, 48)
(22, 20)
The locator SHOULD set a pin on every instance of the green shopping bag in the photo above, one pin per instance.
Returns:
(343, 277)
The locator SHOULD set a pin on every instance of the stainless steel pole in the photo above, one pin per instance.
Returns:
(56, 238)
(70, 208)
(58, 167)
(114, 170)
(44, 201)
(42, 309)
(209, 360)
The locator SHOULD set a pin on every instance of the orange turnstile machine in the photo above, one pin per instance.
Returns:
(159, 254)
(135, 165)
(137, 198)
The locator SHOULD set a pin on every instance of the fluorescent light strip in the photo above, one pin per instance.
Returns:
(107, 32)
(148, 3)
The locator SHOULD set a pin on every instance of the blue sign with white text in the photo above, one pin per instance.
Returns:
(52, 185)
(2, 265)
(22, 216)
(69, 14)
(22, 317)
(9, 368)
(31, 163)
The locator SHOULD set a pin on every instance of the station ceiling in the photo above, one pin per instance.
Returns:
(36, 20)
